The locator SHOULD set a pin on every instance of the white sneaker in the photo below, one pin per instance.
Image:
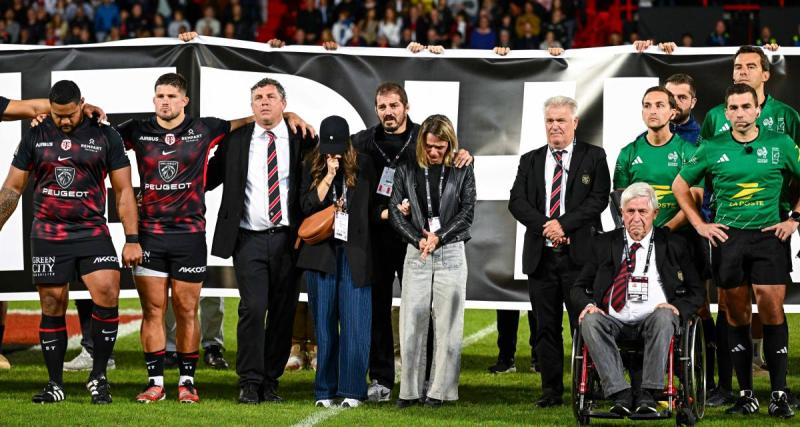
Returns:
(4, 363)
(350, 403)
(325, 403)
(83, 362)
(378, 393)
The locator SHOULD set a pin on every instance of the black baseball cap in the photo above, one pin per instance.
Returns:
(333, 135)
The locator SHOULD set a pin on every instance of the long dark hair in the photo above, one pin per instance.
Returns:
(319, 166)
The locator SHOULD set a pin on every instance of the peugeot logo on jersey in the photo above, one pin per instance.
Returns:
(64, 176)
(66, 145)
(168, 169)
(169, 138)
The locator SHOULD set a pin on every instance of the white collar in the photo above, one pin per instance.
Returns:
(281, 131)
(567, 150)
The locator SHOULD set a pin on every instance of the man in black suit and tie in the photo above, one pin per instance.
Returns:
(634, 274)
(559, 193)
(260, 166)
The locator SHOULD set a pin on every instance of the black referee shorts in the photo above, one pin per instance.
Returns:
(62, 261)
(698, 250)
(750, 257)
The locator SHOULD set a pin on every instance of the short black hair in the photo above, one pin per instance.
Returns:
(172, 79)
(65, 92)
(682, 79)
(266, 81)
(739, 89)
(670, 98)
(757, 50)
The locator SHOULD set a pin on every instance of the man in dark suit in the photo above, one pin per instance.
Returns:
(559, 193)
(634, 274)
(260, 166)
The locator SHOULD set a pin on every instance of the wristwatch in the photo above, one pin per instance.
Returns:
(794, 216)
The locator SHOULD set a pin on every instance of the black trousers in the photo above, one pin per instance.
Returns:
(85, 307)
(389, 255)
(549, 287)
(265, 272)
(507, 327)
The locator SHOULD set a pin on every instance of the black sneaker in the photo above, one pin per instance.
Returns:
(171, 360)
(746, 404)
(214, 357)
(100, 390)
(646, 404)
(51, 393)
(719, 397)
(794, 402)
(503, 367)
(779, 405)
(622, 402)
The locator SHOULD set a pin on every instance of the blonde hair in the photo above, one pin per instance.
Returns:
(441, 127)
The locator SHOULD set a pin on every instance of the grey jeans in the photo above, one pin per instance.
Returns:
(600, 332)
(435, 288)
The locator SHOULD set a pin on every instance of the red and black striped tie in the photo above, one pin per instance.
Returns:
(555, 189)
(619, 289)
(273, 183)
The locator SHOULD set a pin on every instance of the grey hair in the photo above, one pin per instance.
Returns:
(562, 101)
(639, 189)
(266, 81)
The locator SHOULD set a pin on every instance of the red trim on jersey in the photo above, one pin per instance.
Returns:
(111, 320)
(213, 144)
(61, 329)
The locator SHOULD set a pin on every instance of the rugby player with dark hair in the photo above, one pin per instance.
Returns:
(69, 158)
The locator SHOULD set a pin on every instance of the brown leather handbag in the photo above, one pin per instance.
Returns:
(317, 227)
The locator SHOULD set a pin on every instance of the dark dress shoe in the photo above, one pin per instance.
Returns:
(433, 403)
(214, 357)
(406, 403)
(622, 402)
(645, 403)
(548, 401)
(248, 394)
(270, 394)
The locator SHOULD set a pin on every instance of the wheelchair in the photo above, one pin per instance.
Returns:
(685, 398)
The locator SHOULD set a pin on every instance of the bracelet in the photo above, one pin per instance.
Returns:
(131, 238)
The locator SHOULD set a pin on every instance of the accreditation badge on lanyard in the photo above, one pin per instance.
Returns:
(433, 221)
(638, 285)
(341, 218)
(386, 184)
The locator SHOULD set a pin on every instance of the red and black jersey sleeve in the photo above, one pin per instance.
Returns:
(126, 130)
(218, 128)
(115, 156)
(3, 105)
(23, 156)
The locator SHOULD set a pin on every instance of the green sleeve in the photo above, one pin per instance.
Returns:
(792, 157)
(695, 169)
(707, 131)
(622, 172)
(793, 125)
(689, 151)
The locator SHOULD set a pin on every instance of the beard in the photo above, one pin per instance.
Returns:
(682, 116)
(392, 129)
(168, 116)
(658, 127)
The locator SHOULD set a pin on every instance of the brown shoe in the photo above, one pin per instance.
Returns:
(312, 357)
(296, 359)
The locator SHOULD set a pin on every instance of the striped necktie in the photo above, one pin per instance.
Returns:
(555, 189)
(616, 294)
(273, 184)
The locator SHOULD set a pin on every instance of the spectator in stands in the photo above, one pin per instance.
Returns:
(343, 27)
(796, 37)
(504, 39)
(12, 26)
(456, 41)
(558, 27)
(614, 39)
(243, 27)
(229, 31)
(483, 37)
(106, 16)
(550, 41)
(766, 37)
(528, 40)
(5, 38)
(209, 25)
(406, 37)
(462, 24)
(391, 27)
(326, 36)
(687, 40)
(356, 39)
(531, 17)
(417, 24)
(136, 22)
(507, 23)
(178, 25)
(370, 27)
(309, 20)
(326, 11)
(720, 36)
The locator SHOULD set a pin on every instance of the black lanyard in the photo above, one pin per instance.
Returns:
(428, 191)
(628, 264)
(392, 163)
(344, 194)
(560, 163)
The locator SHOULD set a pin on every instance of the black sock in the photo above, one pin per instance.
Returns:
(724, 366)
(155, 366)
(2, 332)
(188, 363)
(105, 322)
(709, 333)
(740, 343)
(776, 352)
(53, 338)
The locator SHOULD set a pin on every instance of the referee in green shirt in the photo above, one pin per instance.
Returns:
(747, 166)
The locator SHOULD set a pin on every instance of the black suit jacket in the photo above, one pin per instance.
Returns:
(229, 167)
(361, 216)
(673, 261)
(586, 191)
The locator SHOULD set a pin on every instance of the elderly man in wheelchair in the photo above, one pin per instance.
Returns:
(640, 287)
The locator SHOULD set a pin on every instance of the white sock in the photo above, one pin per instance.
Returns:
(159, 380)
(183, 378)
(758, 346)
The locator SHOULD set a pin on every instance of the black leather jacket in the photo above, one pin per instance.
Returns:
(456, 211)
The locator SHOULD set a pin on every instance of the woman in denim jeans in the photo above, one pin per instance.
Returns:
(432, 208)
(339, 269)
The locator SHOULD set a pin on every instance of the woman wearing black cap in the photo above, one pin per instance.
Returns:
(339, 269)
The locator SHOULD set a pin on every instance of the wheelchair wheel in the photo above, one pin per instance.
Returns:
(579, 402)
(693, 377)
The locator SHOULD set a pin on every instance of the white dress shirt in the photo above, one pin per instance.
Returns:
(635, 311)
(256, 204)
(549, 170)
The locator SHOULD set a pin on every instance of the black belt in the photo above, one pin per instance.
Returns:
(271, 230)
